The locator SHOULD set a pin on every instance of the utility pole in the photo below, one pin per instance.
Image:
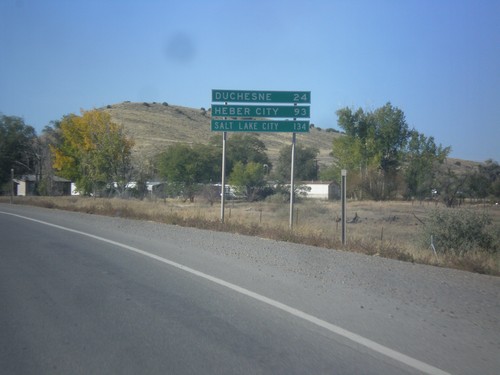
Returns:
(343, 190)
(11, 185)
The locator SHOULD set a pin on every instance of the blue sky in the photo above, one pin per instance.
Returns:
(437, 60)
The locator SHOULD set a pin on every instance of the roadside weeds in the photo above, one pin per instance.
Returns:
(248, 220)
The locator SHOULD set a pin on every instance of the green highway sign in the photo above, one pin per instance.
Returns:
(243, 96)
(275, 111)
(260, 126)
(258, 114)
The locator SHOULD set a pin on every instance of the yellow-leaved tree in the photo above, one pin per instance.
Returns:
(94, 152)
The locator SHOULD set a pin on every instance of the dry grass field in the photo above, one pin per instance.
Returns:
(386, 229)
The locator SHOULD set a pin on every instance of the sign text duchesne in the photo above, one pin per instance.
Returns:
(243, 96)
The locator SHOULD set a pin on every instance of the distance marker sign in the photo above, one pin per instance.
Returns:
(274, 111)
(260, 126)
(242, 96)
(258, 112)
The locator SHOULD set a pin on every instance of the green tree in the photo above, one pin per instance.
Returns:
(451, 186)
(495, 189)
(490, 169)
(248, 179)
(373, 147)
(243, 148)
(17, 147)
(93, 151)
(479, 186)
(306, 166)
(391, 135)
(50, 137)
(485, 181)
(422, 159)
(355, 151)
(378, 146)
(185, 167)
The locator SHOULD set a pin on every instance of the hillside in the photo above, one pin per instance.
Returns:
(155, 126)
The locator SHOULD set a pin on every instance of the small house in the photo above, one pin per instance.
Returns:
(27, 185)
(327, 190)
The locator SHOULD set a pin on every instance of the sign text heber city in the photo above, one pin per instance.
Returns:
(275, 111)
(260, 126)
(242, 96)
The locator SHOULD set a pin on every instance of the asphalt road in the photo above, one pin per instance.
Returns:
(85, 294)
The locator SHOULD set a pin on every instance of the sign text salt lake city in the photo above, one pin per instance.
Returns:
(260, 126)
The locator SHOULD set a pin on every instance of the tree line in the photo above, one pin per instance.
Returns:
(95, 153)
(385, 159)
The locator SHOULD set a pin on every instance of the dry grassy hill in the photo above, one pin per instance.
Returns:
(155, 126)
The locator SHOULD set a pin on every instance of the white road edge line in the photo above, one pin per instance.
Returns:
(376, 347)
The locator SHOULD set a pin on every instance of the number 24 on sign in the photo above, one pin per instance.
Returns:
(299, 97)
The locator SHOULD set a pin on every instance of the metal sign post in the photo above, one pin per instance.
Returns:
(344, 195)
(292, 180)
(223, 179)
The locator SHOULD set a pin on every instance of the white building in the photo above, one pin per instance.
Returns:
(327, 190)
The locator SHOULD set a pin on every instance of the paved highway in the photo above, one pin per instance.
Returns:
(85, 294)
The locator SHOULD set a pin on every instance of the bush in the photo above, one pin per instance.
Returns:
(460, 231)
